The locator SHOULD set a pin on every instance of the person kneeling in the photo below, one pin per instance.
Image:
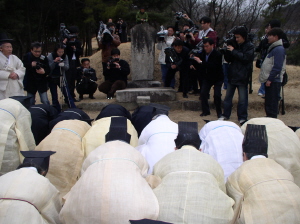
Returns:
(86, 79)
(115, 73)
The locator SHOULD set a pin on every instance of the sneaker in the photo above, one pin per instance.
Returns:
(242, 122)
(260, 94)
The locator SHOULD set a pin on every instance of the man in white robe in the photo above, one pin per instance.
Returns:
(223, 141)
(264, 192)
(15, 134)
(157, 138)
(26, 196)
(12, 71)
(192, 188)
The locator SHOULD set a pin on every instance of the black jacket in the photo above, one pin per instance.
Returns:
(90, 75)
(212, 70)
(185, 60)
(114, 74)
(70, 51)
(241, 63)
(34, 81)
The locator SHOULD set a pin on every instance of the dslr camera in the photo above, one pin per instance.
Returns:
(188, 31)
(38, 65)
(111, 63)
(179, 15)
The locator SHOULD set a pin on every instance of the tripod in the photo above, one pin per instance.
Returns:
(64, 89)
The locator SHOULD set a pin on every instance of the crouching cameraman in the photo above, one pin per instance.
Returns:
(115, 72)
(37, 70)
(86, 79)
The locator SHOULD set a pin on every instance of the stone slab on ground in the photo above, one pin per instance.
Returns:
(158, 94)
(143, 84)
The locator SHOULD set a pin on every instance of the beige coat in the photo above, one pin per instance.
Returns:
(40, 205)
(96, 135)
(10, 87)
(283, 144)
(15, 134)
(112, 188)
(192, 189)
(264, 192)
(65, 139)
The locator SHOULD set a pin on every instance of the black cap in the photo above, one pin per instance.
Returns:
(255, 139)
(73, 29)
(187, 135)
(115, 51)
(24, 100)
(118, 130)
(4, 38)
(147, 221)
(39, 158)
(159, 109)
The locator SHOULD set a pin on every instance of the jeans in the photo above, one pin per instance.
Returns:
(262, 89)
(206, 86)
(242, 108)
(164, 71)
(225, 71)
(43, 97)
(271, 99)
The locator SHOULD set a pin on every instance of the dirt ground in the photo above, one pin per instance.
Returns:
(291, 93)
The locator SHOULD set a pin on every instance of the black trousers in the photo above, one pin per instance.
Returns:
(71, 74)
(205, 89)
(109, 87)
(272, 93)
(183, 81)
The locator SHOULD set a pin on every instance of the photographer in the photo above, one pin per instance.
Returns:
(86, 79)
(115, 72)
(181, 64)
(206, 31)
(162, 45)
(59, 63)
(109, 41)
(240, 56)
(74, 51)
(37, 71)
(121, 30)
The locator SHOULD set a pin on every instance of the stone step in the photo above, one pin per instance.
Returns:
(157, 94)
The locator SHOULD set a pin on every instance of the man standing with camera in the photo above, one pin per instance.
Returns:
(115, 72)
(206, 31)
(37, 71)
(86, 79)
(240, 58)
(74, 51)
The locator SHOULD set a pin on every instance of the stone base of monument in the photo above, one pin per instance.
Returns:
(143, 84)
(158, 94)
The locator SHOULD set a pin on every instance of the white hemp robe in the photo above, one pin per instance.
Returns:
(66, 140)
(223, 141)
(28, 197)
(157, 140)
(264, 192)
(283, 144)
(192, 189)
(15, 134)
(10, 87)
(112, 188)
(96, 135)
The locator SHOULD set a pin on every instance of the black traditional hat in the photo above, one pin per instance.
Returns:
(255, 139)
(294, 128)
(147, 221)
(159, 109)
(141, 117)
(4, 38)
(39, 158)
(118, 130)
(114, 110)
(24, 100)
(187, 135)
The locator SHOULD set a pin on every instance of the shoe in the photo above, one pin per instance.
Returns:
(204, 114)
(109, 96)
(222, 118)
(260, 94)
(242, 122)
(185, 95)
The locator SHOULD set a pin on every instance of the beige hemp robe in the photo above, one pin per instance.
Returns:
(15, 134)
(192, 189)
(66, 140)
(264, 192)
(112, 188)
(283, 144)
(28, 197)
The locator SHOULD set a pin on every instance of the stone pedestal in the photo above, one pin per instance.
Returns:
(142, 52)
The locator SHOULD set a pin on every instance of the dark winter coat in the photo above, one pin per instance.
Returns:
(114, 74)
(212, 70)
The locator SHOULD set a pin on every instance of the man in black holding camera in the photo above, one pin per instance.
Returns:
(74, 51)
(37, 70)
(115, 72)
(178, 60)
(86, 79)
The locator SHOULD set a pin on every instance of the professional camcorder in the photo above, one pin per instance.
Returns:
(197, 50)
(188, 31)
(104, 34)
(179, 15)
(161, 34)
(65, 33)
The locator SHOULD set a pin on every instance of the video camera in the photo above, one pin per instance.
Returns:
(87, 72)
(65, 33)
(179, 15)
(197, 50)
(161, 34)
(104, 34)
(173, 57)
(188, 31)
(111, 63)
